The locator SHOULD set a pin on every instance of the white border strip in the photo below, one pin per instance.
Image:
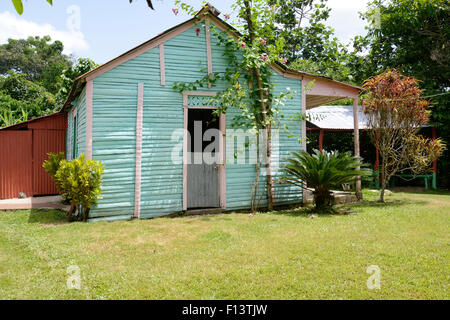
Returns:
(89, 115)
(208, 50)
(139, 124)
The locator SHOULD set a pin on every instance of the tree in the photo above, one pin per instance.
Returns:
(39, 59)
(323, 171)
(25, 96)
(412, 36)
(22, 99)
(310, 45)
(395, 113)
(68, 75)
(19, 5)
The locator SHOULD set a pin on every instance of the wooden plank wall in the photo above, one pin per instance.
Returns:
(114, 129)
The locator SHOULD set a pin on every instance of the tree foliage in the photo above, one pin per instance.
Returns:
(395, 113)
(35, 78)
(311, 46)
(68, 75)
(22, 99)
(18, 5)
(412, 36)
(39, 59)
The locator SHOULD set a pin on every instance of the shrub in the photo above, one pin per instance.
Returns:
(323, 171)
(78, 180)
(53, 163)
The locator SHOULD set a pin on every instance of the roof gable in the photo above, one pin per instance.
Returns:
(209, 13)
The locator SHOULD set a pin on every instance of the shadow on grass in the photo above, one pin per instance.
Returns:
(422, 191)
(388, 203)
(346, 209)
(309, 212)
(47, 216)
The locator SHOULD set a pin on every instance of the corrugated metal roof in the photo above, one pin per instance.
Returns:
(336, 117)
(52, 121)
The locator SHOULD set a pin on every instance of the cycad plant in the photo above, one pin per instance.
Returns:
(323, 171)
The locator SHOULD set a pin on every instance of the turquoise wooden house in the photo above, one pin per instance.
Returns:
(126, 114)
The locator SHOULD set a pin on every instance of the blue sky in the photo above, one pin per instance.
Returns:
(108, 28)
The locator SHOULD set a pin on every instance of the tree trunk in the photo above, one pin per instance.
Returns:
(270, 189)
(266, 126)
(71, 211)
(382, 194)
(86, 214)
(384, 181)
(322, 199)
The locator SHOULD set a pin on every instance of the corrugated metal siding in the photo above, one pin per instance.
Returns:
(114, 125)
(45, 141)
(23, 149)
(16, 164)
(54, 122)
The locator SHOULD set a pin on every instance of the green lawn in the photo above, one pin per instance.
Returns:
(285, 255)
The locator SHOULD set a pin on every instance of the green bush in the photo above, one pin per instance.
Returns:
(323, 172)
(53, 163)
(78, 180)
(52, 166)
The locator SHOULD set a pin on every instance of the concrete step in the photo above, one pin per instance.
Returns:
(340, 197)
(202, 212)
(53, 202)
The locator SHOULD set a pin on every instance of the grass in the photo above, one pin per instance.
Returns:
(283, 255)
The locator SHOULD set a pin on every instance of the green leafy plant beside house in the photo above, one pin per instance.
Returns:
(322, 172)
(78, 181)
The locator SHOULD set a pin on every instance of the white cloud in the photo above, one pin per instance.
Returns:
(348, 4)
(344, 18)
(12, 26)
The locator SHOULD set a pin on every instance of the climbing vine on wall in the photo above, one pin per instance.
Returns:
(251, 47)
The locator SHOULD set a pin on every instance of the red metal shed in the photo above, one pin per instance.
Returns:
(23, 149)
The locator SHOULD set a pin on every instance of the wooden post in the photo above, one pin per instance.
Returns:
(304, 83)
(357, 150)
(434, 182)
(321, 140)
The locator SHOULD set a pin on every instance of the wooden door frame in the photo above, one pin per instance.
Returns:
(222, 144)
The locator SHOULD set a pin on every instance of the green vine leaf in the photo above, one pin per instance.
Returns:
(18, 5)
